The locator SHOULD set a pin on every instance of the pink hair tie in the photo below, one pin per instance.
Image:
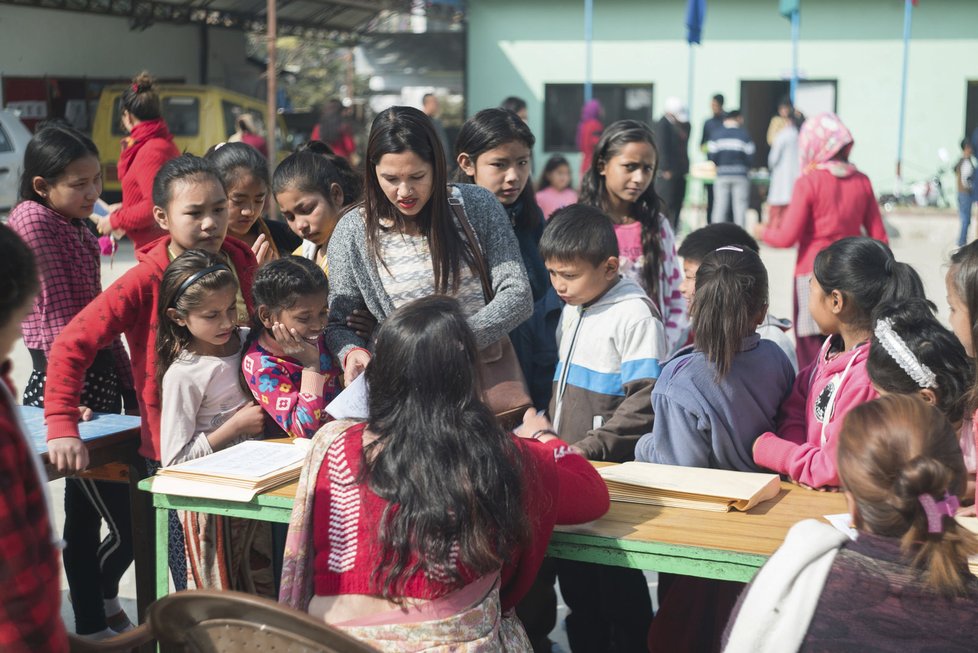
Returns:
(135, 88)
(936, 510)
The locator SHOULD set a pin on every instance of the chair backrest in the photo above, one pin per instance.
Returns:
(208, 621)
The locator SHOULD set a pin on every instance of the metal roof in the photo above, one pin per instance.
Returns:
(334, 19)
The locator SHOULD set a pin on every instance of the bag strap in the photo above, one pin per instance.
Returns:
(478, 258)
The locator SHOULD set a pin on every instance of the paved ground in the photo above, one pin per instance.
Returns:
(923, 239)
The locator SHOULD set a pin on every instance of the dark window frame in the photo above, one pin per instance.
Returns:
(562, 109)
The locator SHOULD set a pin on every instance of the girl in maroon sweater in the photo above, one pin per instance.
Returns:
(428, 513)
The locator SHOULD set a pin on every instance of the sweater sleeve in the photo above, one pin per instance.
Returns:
(53, 272)
(139, 215)
(678, 437)
(513, 301)
(642, 348)
(796, 217)
(301, 414)
(873, 221)
(345, 296)
(582, 495)
(811, 464)
(74, 350)
(180, 398)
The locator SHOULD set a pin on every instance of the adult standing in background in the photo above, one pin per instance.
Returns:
(148, 146)
(712, 123)
(589, 130)
(333, 130)
(432, 109)
(672, 139)
(247, 133)
(831, 200)
(782, 161)
(517, 105)
(732, 150)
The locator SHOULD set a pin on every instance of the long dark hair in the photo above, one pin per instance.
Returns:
(647, 207)
(731, 298)
(231, 160)
(892, 451)
(487, 130)
(406, 129)
(451, 475)
(963, 274)
(52, 149)
(866, 273)
(171, 338)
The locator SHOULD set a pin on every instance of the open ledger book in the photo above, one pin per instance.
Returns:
(237, 473)
(718, 490)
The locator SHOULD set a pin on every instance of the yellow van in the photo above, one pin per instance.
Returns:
(198, 117)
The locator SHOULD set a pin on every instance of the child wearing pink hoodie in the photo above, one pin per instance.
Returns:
(850, 279)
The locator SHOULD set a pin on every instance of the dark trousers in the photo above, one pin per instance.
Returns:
(693, 613)
(611, 609)
(176, 545)
(673, 193)
(94, 565)
(538, 608)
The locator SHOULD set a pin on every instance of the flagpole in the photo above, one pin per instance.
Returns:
(907, 19)
(689, 80)
(795, 33)
(588, 34)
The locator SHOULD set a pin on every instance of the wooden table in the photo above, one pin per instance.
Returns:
(112, 442)
(727, 546)
(722, 545)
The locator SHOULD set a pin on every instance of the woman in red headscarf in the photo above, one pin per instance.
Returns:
(831, 200)
(148, 146)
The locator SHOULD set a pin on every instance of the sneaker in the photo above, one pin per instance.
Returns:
(119, 622)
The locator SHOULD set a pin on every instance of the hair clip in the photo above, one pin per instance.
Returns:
(135, 88)
(936, 510)
(901, 354)
(729, 248)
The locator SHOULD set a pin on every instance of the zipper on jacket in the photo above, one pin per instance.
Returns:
(562, 382)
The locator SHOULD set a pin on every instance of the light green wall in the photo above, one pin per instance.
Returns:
(515, 47)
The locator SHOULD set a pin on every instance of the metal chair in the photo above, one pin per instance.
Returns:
(210, 621)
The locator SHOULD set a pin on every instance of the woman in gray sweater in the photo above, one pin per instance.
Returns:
(404, 242)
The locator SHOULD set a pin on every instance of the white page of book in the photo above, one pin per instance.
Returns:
(252, 459)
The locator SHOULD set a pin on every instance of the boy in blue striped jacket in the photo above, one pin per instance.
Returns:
(611, 345)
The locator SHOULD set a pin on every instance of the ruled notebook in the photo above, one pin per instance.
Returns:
(237, 473)
(718, 490)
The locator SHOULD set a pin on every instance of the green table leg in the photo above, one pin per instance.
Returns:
(162, 553)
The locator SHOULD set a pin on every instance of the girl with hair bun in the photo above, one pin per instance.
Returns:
(148, 146)
(850, 279)
(901, 467)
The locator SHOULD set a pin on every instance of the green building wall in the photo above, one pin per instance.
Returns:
(516, 47)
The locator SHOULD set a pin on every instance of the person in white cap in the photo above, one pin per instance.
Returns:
(672, 139)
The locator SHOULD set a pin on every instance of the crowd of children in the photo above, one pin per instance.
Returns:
(426, 521)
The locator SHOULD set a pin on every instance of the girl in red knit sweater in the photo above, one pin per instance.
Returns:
(428, 522)
(190, 203)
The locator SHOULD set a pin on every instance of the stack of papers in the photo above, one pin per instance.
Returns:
(717, 490)
(237, 473)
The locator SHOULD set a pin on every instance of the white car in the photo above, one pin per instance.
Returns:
(14, 137)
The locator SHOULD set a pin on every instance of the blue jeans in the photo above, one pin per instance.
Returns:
(964, 212)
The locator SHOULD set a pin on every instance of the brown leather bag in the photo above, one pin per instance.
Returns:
(503, 386)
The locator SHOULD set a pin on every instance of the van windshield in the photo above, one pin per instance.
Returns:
(181, 113)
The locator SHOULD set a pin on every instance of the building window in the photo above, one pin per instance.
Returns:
(562, 109)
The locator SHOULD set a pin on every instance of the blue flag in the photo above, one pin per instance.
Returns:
(695, 15)
(789, 7)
